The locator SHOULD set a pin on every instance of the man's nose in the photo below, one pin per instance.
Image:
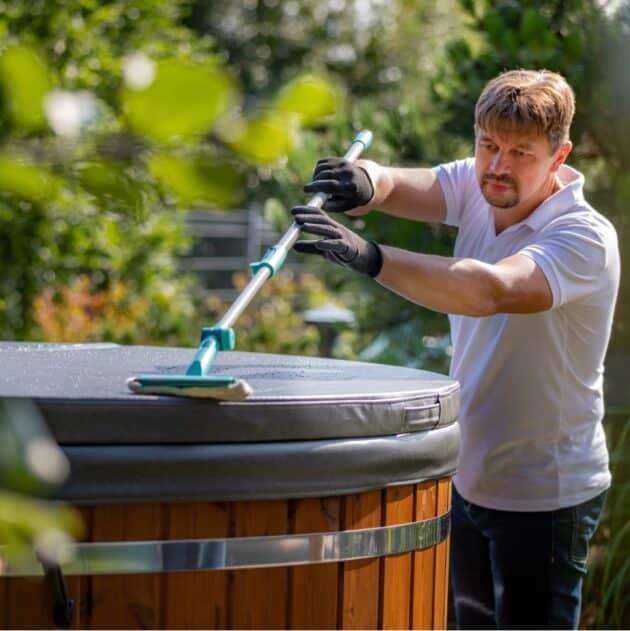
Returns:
(500, 163)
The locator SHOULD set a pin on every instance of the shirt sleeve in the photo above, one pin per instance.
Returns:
(457, 180)
(572, 259)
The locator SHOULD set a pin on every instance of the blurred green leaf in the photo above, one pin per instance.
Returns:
(276, 215)
(27, 181)
(111, 185)
(511, 42)
(534, 29)
(25, 83)
(25, 521)
(459, 51)
(311, 97)
(264, 138)
(198, 180)
(494, 25)
(30, 460)
(183, 101)
(468, 6)
(572, 46)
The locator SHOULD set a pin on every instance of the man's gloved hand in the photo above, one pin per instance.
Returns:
(339, 244)
(347, 185)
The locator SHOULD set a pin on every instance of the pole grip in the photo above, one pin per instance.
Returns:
(275, 256)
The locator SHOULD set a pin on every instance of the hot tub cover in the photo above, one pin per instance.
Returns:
(312, 426)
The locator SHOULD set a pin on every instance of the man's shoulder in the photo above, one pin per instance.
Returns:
(461, 166)
(583, 228)
(582, 216)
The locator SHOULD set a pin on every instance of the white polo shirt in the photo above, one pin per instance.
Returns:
(531, 398)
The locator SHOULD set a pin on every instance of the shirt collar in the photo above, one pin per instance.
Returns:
(562, 201)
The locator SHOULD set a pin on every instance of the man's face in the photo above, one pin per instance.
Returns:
(514, 168)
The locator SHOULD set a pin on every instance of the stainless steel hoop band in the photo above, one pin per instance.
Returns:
(132, 557)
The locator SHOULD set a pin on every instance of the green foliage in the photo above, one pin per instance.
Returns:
(106, 129)
(24, 521)
(110, 185)
(564, 37)
(24, 100)
(198, 178)
(404, 345)
(311, 98)
(21, 179)
(30, 462)
(383, 57)
(275, 318)
(183, 101)
(263, 138)
(606, 589)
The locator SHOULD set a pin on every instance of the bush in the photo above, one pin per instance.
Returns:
(274, 321)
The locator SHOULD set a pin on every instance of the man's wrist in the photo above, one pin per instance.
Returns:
(375, 259)
(373, 171)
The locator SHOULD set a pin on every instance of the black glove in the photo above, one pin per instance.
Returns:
(339, 244)
(347, 185)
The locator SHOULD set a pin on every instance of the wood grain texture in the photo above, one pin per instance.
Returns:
(197, 600)
(132, 601)
(258, 597)
(30, 604)
(396, 582)
(424, 560)
(79, 586)
(400, 591)
(313, 588)
(441, 560)
(27, 603)
(359, 580)
(4, 603)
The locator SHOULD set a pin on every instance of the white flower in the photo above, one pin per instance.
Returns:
(138, 71)
(68, 112)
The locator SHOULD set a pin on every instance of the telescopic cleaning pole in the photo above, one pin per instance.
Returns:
(197, 382)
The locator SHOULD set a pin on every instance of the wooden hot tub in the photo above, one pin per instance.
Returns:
(322, 501)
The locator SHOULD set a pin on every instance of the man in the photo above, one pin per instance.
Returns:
(530, 295)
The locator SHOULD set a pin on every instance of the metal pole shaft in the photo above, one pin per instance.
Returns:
(286, 243)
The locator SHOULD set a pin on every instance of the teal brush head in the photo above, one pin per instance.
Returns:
(206, 387)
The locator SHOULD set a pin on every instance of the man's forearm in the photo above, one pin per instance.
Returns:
(448, 285)
(408, 193)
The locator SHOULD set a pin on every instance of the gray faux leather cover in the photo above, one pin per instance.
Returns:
(241, 471)
(312, 426)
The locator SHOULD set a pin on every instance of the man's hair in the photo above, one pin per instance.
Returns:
(527, 100)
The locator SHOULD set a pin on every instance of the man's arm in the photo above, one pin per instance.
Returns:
(466, 286)
(459, 286)
(409, 193)
(357, 188)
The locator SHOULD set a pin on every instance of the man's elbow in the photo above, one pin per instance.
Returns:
(484, 291)
(484, 306)
(507, 296)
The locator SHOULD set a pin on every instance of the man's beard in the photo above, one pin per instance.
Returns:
(505, 199)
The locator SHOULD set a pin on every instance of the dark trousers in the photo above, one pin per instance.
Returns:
(512, 570)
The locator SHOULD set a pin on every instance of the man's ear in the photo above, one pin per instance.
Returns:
(561, 155)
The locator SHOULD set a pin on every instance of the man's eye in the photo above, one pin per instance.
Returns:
(520, 154)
